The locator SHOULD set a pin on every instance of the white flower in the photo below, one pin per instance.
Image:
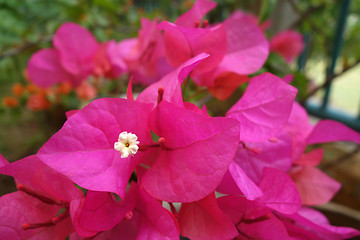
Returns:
(127, 144)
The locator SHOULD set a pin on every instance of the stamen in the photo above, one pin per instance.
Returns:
(161, 143)
(254, 150)
(205, 23)
(197, 24)
(60, 217)
(30, 192)
(173, 210)
(160, 95)
(146, 147)
(274, 140)
(27, 226)
(258, 219)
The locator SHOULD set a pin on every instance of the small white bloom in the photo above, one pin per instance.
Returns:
(127, 144)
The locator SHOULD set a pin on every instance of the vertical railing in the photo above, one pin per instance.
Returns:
(323, 110)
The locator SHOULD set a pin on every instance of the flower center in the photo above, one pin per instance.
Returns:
(127, 144)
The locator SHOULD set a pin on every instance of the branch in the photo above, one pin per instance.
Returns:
(341, 159)
(329, 80)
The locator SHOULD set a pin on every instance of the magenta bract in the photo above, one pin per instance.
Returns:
(204, 220)
(252, 219)
(288, 44)
(264, 109)
(146, 219)
(83, 149)
(196, 153)
(171, 83)
(42, 193)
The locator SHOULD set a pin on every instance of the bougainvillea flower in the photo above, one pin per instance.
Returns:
(264, 109)
(230, 58)
(33, 210)
(288, 44)
(252, 219)
(76, 47)
(247, 47)
(145, 55)
(203, 219)
(182, 43)
(77, 55)
(315, 187)
(107, 63)
(138, 216)
(83, 149)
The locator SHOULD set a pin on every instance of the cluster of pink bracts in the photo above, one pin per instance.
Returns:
(242, 176)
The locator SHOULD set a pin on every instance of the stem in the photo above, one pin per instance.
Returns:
(341, 159)
(329, 80)
(30, 192)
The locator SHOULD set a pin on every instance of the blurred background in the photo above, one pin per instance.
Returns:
(326, 73)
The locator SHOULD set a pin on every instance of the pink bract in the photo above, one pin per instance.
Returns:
(33, 173)
(315, 187)
(145, 56)
(254, 157)
(99, 212)
(45, 69)
(76, 47)
(196, 13)
(314, 222)
(77, 55)
(252, 220)
(182, 43)
(280, 192)
(196, 154)
(288, 44)
(204, 220)
(230, 58)
(146, 219)
(18, 208)
(247, 47)
(330, 131)
(83, 149)
(171, 83)
(22, 208)
(264, 109)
